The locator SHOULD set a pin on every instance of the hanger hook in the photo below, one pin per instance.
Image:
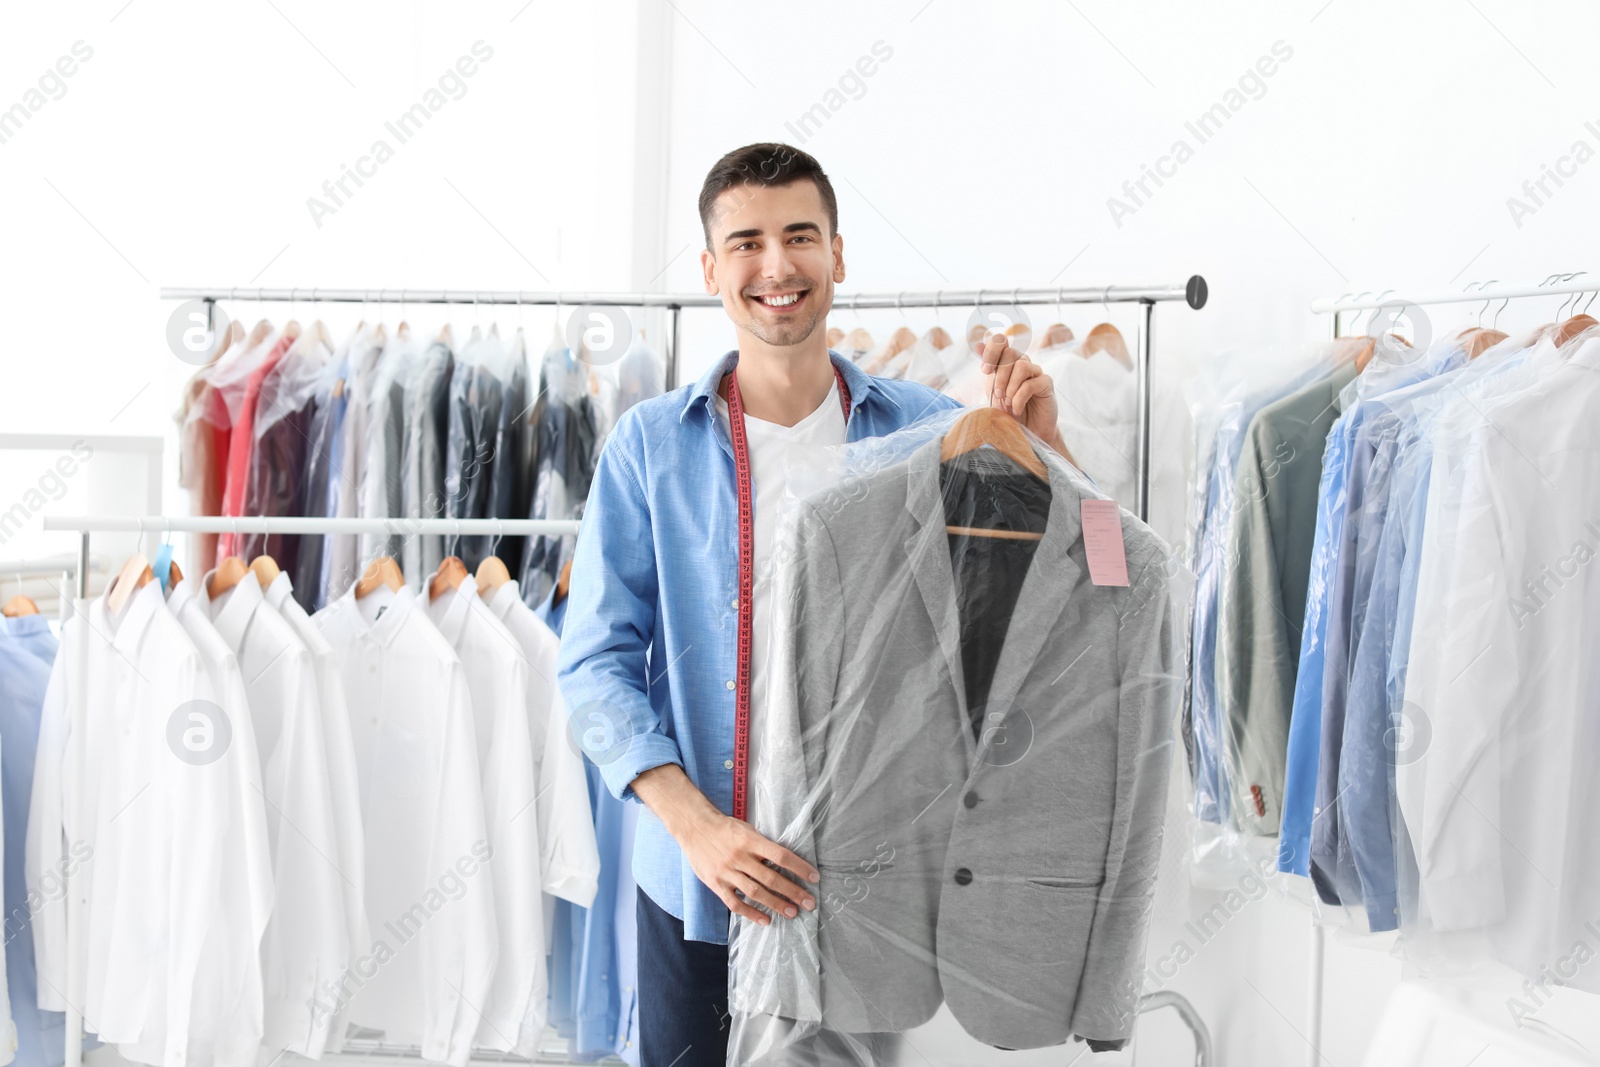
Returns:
(1592, 294)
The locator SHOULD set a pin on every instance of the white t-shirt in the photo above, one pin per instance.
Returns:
(770, 444)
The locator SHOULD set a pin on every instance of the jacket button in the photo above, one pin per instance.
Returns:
(970, 800)
(727, 764)
(963, 876)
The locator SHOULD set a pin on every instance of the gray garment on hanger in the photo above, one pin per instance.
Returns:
(427, 426)
(1262, 602)
(1014, 885)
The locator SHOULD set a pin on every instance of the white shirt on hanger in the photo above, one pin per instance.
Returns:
(571, 860)
(497, 678)
(177, 892)
(429, 899)
(343, 786)
(306, 943)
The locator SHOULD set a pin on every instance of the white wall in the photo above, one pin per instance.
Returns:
(1379, 155)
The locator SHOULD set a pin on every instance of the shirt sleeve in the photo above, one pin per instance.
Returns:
(308, 942)
(610, 620)
(511, 819)
(571, 861)
(459, 942)
(47, 831)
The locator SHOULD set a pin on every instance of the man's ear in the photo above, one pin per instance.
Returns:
(708, 268)
(838, 258)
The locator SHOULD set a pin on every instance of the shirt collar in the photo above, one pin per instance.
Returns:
(180, 594)
(237, 607)
(393, 615)
(858, 381)
(504, 597)
(449, 612)
(127, 629)
(278, 591)
(24, 626)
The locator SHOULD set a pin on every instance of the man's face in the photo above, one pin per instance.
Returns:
(772, 260)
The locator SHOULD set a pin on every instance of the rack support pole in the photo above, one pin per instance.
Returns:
(1142, 386)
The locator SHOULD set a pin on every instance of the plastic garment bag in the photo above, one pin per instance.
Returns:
(1495, 795)
(427, 426)
(285, 408)
(511, 460)
(477, 394)
(1223, 402)
(564, 460)
(968, 732)
(381, 475)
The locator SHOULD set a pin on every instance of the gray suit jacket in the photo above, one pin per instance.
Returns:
(1010, 876)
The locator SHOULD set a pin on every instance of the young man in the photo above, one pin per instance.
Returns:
(649, 660)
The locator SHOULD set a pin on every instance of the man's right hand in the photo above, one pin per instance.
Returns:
(726, 853)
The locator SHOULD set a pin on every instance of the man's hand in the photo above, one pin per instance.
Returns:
(1023, 390)
(724, 852)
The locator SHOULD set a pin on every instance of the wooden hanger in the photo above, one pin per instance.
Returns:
(899, 341)
(174, 574)
(858, 339)
(382, 571)
(492, 574)
(1057, 333)
(563, 583)
(19, 606)
(447, 578)
(1482, 340)
(1365, 347)
(229, 573)
(135, 574)
(1108, 339)
(1573, 327)
(991, 426)
(265, 568)
(835, 335)
(1019, 336)
(259, 333)
(938, 337)
(445, 336)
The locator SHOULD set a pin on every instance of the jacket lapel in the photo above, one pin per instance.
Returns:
(928, 551)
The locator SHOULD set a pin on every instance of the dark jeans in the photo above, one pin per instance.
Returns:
(683, 994)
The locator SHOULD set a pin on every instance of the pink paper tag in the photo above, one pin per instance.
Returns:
(1102, 542)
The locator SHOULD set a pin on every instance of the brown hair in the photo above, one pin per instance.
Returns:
(768, 164)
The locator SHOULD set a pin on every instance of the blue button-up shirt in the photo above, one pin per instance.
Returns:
(649, 650)
(27, 649)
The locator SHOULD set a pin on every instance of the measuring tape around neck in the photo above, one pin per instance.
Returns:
(747, 551)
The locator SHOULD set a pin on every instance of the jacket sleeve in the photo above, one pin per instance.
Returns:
(1255, 665)
(611, 616)
(1108, 992)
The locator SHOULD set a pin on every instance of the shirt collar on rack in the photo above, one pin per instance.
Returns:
(391, 609)
(127, 629)
(449, 612)
(504, 597)
(858, 381)
(278, 591)
(232, 611)
(180, 594)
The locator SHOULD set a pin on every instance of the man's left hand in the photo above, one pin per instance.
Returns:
(1023, 390)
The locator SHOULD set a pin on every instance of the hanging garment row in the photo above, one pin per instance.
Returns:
(277, 868)
(1094, 382)
(390, 424)
(1401, 611)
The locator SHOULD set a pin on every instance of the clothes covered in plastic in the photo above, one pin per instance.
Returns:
(970, 738)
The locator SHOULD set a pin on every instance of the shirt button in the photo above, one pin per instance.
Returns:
(970, 800)
(963, 876)
(730, 683)
(727, 764)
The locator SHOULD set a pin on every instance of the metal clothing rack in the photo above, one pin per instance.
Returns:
(1194, 292)
(1554, 285)
(85, 525)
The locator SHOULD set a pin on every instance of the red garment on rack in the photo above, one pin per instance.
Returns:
(240, 445)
